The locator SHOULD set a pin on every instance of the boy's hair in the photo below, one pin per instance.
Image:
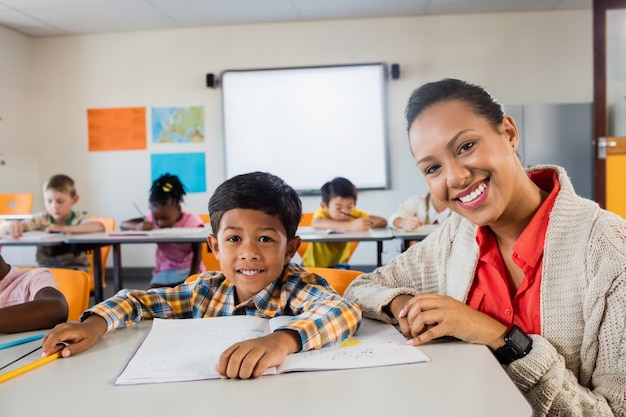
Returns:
(61, 183)
(260, 191)
(338, 187)
(166, 190)
(475, 96)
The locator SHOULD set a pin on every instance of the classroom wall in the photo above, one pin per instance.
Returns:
(520, 57)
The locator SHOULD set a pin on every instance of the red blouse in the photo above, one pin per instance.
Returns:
(490, 292)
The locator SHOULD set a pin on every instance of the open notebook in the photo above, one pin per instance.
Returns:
(184, 350)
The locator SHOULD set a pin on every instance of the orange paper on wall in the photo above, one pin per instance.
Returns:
(117, 129)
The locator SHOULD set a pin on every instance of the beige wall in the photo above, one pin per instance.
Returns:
(521, 57)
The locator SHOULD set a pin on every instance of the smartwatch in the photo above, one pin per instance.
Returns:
(517, 344)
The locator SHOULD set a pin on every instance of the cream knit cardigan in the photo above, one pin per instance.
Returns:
(577, 366)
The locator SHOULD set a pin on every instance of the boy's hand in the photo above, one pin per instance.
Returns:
(251, 358)
(361, 224)
(55, 228)
(78, 336)
(16, 229)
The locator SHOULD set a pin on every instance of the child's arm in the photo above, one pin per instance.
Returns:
(47, 309)
(15, 228)
(251, 358)
(378, 221)
(361, 224)
(85, 227)
(80, 336)
(137, 223)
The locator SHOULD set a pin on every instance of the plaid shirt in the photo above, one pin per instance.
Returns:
(321, 316)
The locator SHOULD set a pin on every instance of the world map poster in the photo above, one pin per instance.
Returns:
(177, 125)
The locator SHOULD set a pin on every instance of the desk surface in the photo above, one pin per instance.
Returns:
(171, 235)
(461, 380)
(36, 238)
(308, 234)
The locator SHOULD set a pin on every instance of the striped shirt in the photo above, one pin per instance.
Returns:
(58, 256)
(321, 316)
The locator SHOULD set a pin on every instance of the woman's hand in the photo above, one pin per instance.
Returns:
(425, 317)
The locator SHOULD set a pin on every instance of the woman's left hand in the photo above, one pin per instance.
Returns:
(431, 316)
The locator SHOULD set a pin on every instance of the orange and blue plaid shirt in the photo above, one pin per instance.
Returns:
(321, 316)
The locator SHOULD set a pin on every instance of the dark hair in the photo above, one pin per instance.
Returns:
(165, 190)
(260, 191)
(481, 102)
(338, 187)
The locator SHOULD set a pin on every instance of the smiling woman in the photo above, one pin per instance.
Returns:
(516, 267)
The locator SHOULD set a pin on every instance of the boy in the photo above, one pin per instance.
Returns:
(254, 218)
(338, 211)
(60, 196)
(29, 300)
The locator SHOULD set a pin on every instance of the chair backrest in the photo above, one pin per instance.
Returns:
(208, 259)
(192, 278)
(74, 285)
(16, 203)
(109, 225)
(339, 279)
(306, 220)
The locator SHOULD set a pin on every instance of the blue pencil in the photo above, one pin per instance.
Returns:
(20, 341)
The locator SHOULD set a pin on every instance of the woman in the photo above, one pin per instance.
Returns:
(523, 265)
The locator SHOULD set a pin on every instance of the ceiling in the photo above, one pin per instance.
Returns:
(40, 18)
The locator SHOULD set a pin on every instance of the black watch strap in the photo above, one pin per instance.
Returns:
(517, 344)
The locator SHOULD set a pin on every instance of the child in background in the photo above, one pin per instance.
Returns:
(254, 218)
(29, 299)
(417, 211)
(338, 211)
(60, 196)
(173, 260)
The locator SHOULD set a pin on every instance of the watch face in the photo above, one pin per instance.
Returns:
(520, 340)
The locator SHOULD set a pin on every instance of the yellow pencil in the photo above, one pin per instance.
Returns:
(30, 366)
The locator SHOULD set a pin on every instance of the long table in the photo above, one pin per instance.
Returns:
(194, 236)
(460, 380)
(308, 234)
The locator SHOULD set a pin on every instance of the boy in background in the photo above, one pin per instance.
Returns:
(254, 218)
(29, 299)
(338, 211)
(60, 196)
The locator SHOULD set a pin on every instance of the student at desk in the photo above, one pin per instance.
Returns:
(173, 260)
(338, 211)
(417, 211)
(29, 299)
(254, 218)
(60, 196)
(523, 265)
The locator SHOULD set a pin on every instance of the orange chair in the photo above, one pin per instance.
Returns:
(192, 278)
(16, 203)
(109, 225)
(75, 286)
(208, 259)
(339, 279)
(306, 220)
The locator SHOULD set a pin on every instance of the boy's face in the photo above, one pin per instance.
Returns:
(59, 204)
(252, 249)
(339, 208)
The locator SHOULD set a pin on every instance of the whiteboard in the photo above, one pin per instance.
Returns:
(308, 125)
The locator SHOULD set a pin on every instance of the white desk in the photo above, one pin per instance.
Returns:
(461, 380)
(194, 236)
(308, 234)
(414, 235)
